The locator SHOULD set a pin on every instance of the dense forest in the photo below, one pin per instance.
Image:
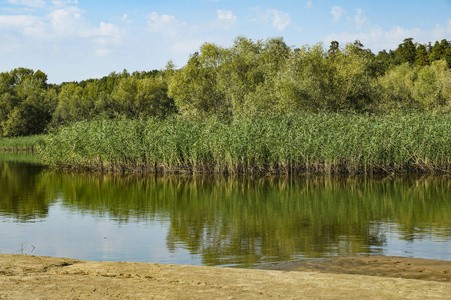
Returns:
(248, 78)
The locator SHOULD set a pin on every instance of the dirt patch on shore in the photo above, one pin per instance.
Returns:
(385, 266)
(32, 277)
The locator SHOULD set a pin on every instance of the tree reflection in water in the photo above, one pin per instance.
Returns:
(242, 220)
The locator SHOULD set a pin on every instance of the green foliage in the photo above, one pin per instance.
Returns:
(421, 58)
(398, 85)
(271, 143)
(140, 95)
(152, 98)
(194, 88)
(433, 86)
(27, 143)
(247, 79)
(308, 83)
(72, 105)
(314, 80)
(26, 105)
(407, 51)
(426, 88)
(255, 77)
(414, 53)
(437, 52)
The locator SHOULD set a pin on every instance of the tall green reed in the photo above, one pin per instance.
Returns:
(21, 143)
(304, 143)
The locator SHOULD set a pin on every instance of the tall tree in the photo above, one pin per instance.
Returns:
(334, 48)
(26, 105)
(194, 88)
(421, 58)
(436, 52)
(407, 51)
(448, 57)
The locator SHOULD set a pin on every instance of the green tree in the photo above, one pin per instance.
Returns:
(407, 51)
(433, 86)
(26, 105)
(124, 97)
(437, 52)
(271, 60)
(354, 81)
(383, 59)
(194, 87)
(334, 48)
(139, 98)
(397, 88)
(444, 44)
(34, 112)
(448, 57)
(307, 82)
(152, 98)
(68, 109)
(241, 73)
(421, 58)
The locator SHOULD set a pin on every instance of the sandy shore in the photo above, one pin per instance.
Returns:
(32, 277)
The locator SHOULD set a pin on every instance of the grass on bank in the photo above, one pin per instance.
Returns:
(22, 143)
(324, 143)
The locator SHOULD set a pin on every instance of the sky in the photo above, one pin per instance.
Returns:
(73, 40)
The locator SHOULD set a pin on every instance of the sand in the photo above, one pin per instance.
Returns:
(372, 277)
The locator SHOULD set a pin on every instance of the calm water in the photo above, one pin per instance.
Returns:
(219, 221)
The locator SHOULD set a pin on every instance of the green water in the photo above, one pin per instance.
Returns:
(232, 221)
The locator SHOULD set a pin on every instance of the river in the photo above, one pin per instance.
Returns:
(219, 220)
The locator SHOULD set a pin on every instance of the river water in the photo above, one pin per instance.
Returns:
(219, 220)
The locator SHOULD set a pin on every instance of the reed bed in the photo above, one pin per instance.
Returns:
(21, 143)
(324, 143)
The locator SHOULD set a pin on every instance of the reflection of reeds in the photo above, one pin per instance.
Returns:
(307, 143)
(256, 218)
(238, 219)
(21, 250)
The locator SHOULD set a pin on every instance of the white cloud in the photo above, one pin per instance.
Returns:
(60, 3)
(125, 19)
(440, 32)
(165, 24)
(106, 30)
(279, 19)
(226, 18)
(360, 19)
(17, 21)
(66, 21)
(377, 39)
(58, 30)
(308, 4)
(25, 25)
(225, 15)
(337, 12)
(29, 3)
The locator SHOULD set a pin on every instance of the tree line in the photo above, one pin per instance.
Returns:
(248, 78)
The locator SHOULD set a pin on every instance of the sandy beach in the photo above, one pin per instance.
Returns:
(369, 277)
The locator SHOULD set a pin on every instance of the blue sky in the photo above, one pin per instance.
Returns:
(77, 39)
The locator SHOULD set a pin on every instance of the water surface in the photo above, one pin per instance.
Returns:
(219, 221)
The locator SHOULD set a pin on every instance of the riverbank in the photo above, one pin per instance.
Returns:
(307, 143)
(25, 277)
